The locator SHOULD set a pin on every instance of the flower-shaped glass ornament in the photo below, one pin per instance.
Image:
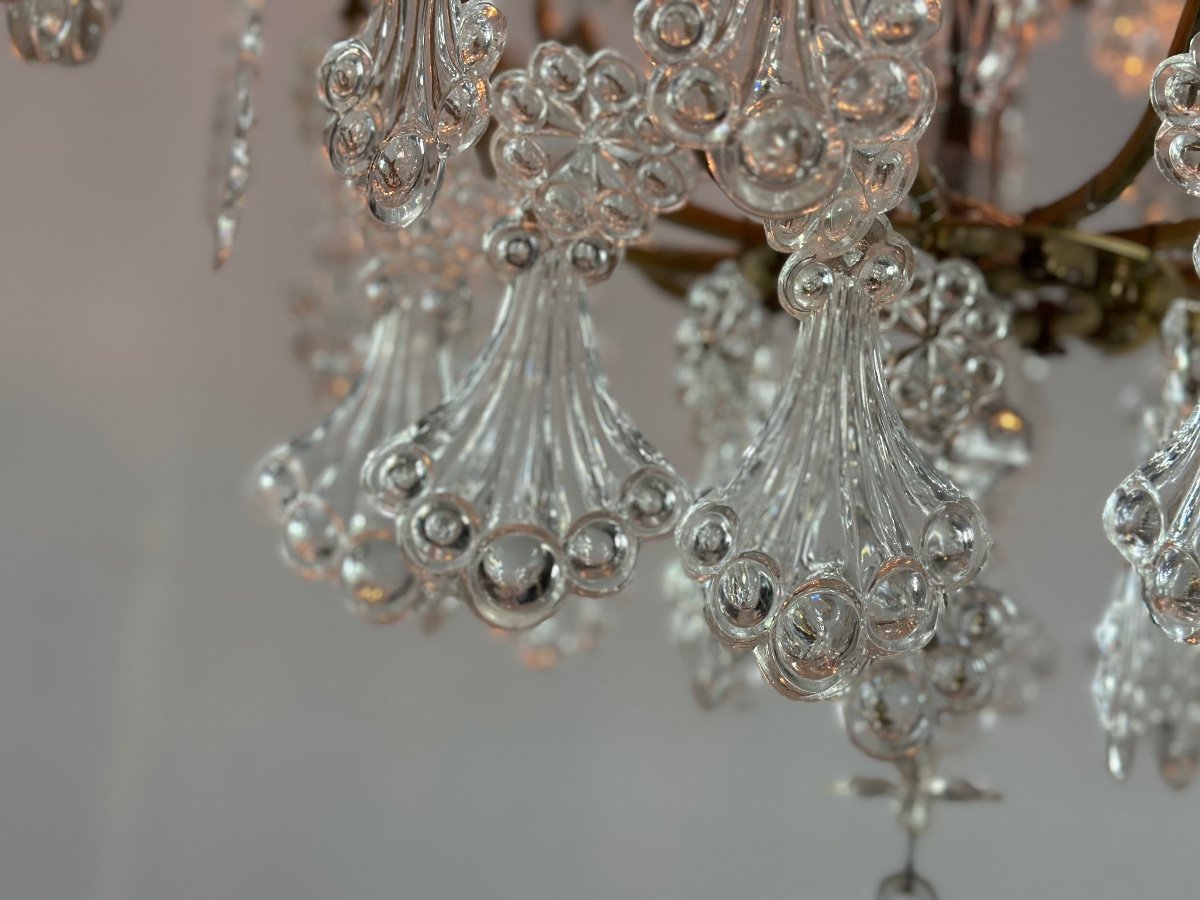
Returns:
(575, 143)
(1146, 686)
(836, 538)
(407, 93)
(1175, 96)
(987, 658)
(808, 112)
(726, 372)
(942, 338)
(235, 117)
(62, 31)
(528, 483)
(1153, 516)
(727, 375)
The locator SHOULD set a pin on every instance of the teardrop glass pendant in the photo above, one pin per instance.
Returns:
(407, 93)
(529, 483)
(235, 117)
(835, 539)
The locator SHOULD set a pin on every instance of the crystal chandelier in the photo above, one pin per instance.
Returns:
(822, 185)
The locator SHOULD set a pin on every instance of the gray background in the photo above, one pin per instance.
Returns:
(182, 718)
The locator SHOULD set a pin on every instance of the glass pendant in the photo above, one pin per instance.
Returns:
(987, 658)
(1175, 96)
(1147, 680)
(236, 115)
(529, 483)
(727, 375)
(407, 93)
(1153, 517)
(1146, 685)
(416, 285)
(62, 31)
(835, 540)
(806, 110)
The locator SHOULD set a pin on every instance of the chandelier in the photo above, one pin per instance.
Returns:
(829, 175)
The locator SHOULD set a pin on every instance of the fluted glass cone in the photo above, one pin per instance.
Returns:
(529, 483)
(835, 539)
(1146, 686)
(1153, 516)
(330, 531)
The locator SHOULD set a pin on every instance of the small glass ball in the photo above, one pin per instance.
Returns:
(652, 500)
(955, 544)
(816, 639)
(744, 596)
(440, 533)
(1133, 520)
(706, 538)
(516, 579)
(600, 554)
(312, 537)
(900, 611)
(887, 713)
(376, 583)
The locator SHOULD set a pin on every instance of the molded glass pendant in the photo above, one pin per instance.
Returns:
(986, 658)
(529, 483)
(836, 538)
(406, 294)
(1146, 686)
(1153, 517)
(407, 93)
(808, 110)
(330, 531)
(62, 31)
(727, 376)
